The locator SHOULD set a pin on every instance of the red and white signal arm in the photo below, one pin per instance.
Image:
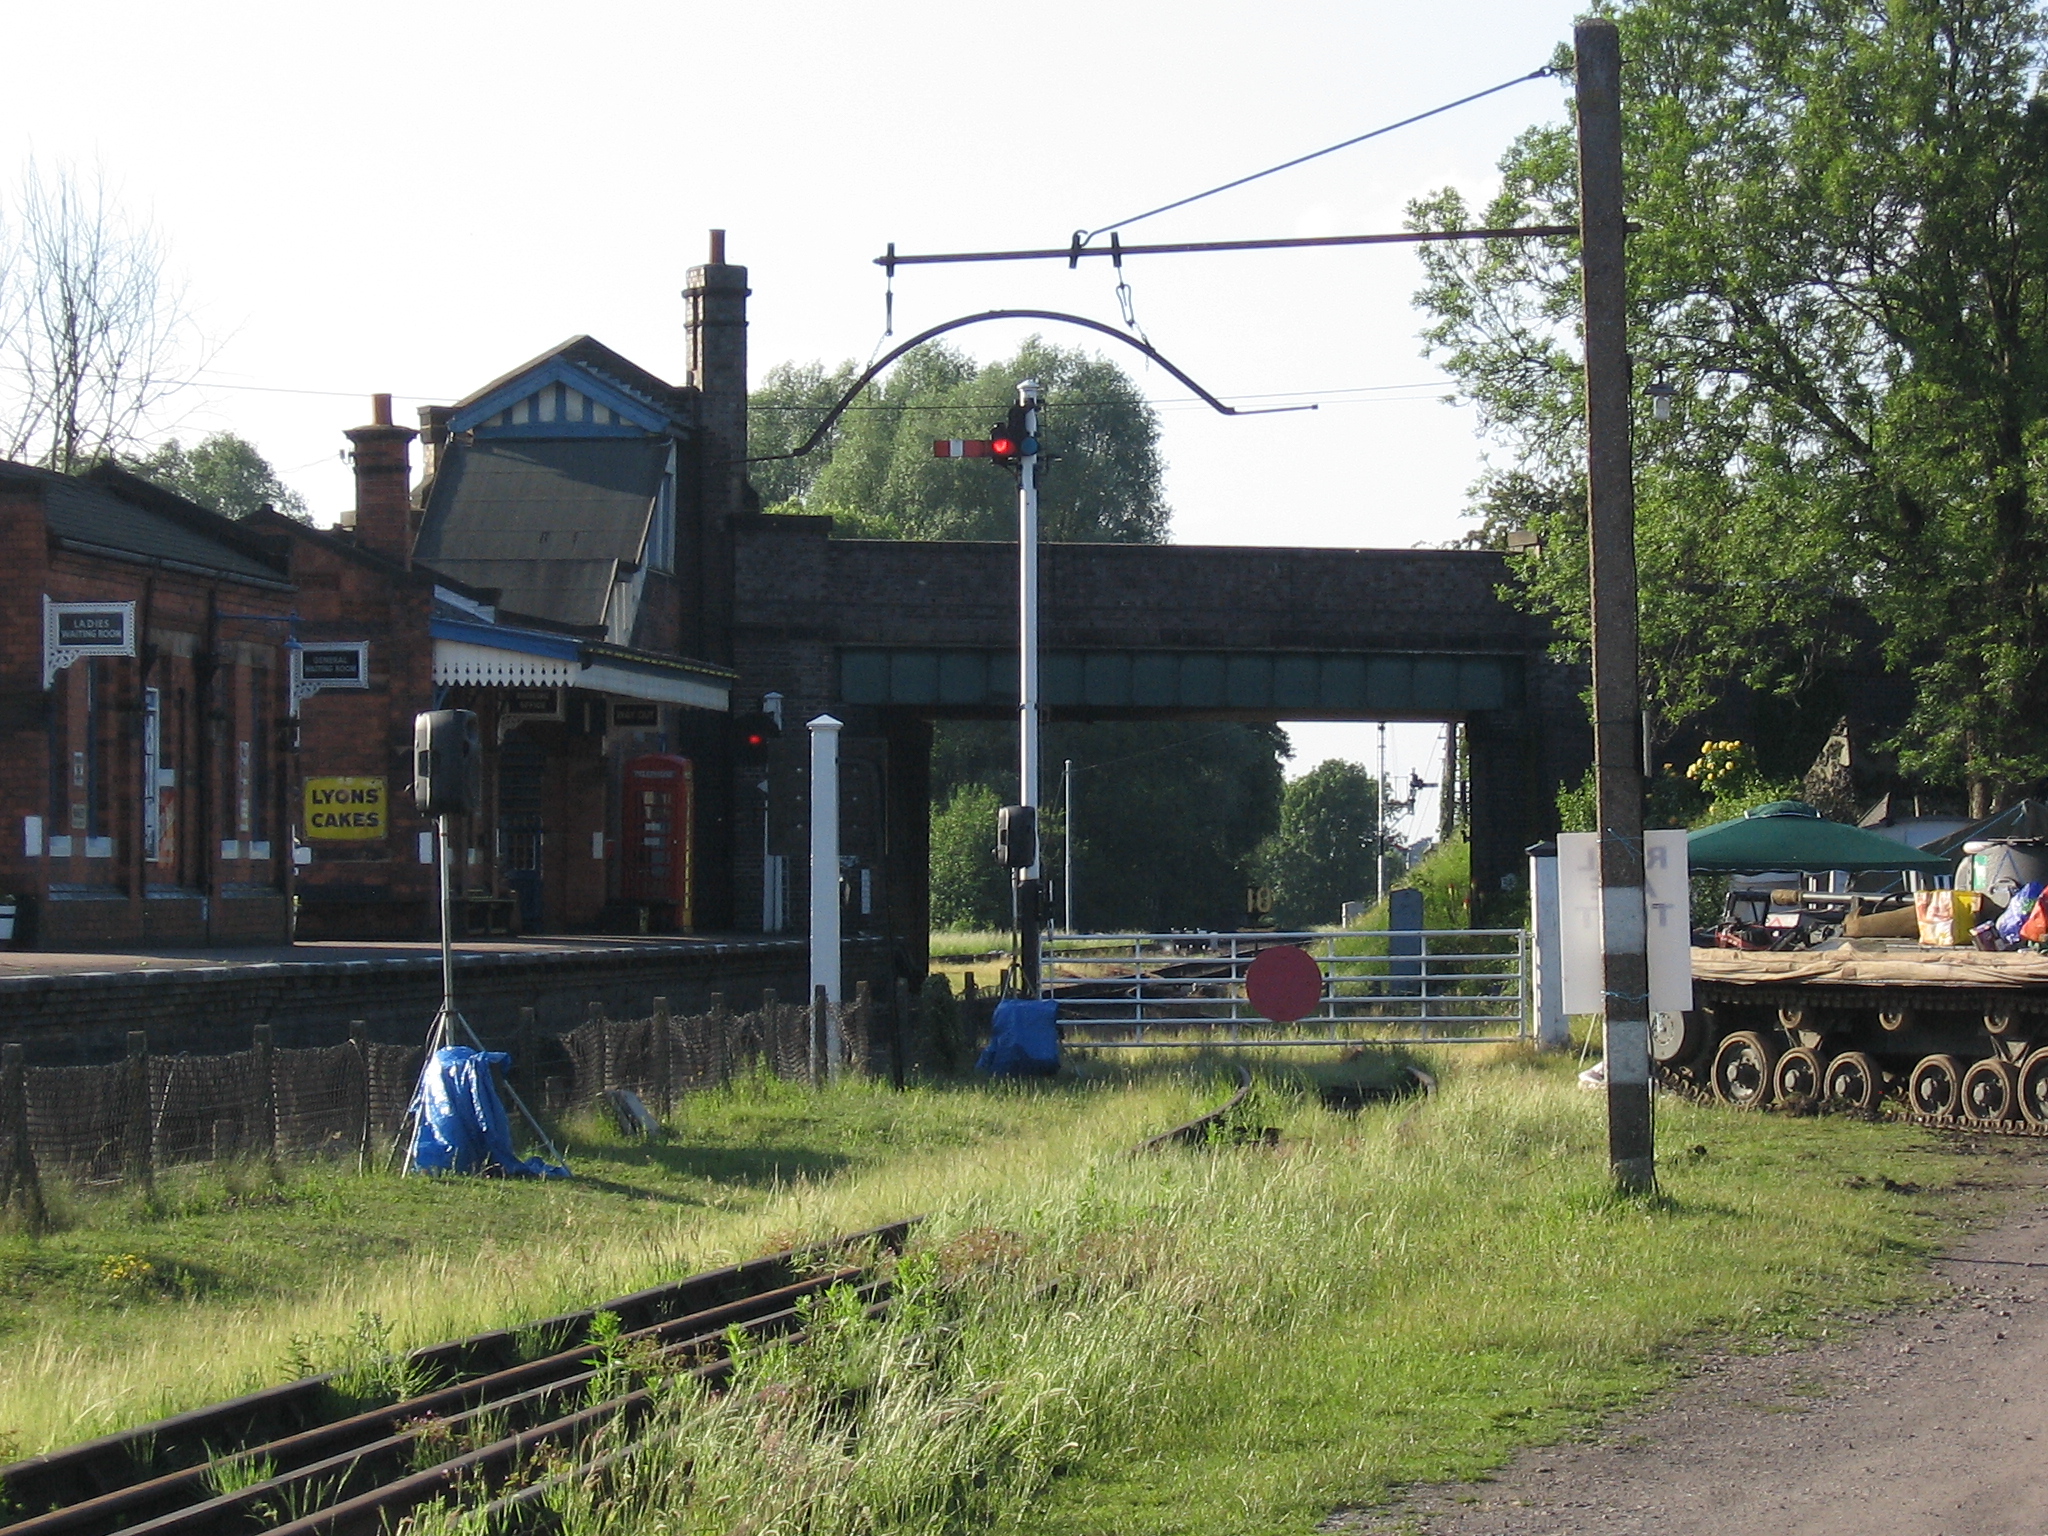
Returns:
(656, 856)
(960, 448)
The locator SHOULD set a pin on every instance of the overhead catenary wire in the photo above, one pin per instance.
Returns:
(1436, 388)
(1083, 237)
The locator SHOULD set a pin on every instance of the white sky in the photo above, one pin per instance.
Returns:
(415, 198)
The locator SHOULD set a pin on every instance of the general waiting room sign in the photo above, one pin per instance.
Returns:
(346, 810)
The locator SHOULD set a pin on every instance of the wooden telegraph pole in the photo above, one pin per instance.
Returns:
(1617, 703)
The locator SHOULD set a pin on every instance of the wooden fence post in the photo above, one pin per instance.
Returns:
(899, 1026)
(359, 1037)
(595, 1019)
(721, 1036)
(860, 1047)
(20, 1183)
(266, 1094)
(664, 1058)
(141, 1164)
(524, 1040)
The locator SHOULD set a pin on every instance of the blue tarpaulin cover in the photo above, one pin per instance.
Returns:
(462, 1126)
(1024, 1040)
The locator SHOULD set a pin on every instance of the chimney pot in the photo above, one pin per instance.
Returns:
(383, 510)
(718, 248)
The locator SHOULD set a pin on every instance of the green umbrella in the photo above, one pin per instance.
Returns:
(1792, 835)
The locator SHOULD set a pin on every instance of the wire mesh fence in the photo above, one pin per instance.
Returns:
(121, 1121)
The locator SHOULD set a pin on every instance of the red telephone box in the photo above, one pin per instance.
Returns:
(655, 835)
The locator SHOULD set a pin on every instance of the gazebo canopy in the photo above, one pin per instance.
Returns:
(1792, 835)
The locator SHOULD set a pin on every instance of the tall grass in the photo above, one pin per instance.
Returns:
(229, 1283)
(1236, 1341)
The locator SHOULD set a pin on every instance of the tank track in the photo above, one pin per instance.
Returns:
(1680, 1086)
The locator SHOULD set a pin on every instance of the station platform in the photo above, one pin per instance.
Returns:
(81, 1007)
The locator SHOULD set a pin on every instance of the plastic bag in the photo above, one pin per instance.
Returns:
(2017, 911)
(461, 1125)
(1946, 917)
(2035, 928)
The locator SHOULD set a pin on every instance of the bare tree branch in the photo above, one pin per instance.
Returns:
(91, 323)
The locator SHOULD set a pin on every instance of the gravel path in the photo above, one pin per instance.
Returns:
(1927, 1422)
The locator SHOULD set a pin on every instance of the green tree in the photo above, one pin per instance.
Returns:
(876, 474)
(223, 472)
(1842, 267)
(1322, 856)
(969, 892)
(1168, 816)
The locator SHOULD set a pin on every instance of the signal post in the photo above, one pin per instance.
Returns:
(1013, 443)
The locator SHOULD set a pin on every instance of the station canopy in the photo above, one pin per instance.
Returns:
(1792, 835)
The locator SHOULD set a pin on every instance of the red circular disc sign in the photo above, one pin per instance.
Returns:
(1284, 983)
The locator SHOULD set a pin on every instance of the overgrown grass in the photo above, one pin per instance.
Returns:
(1231, 1342)
(968, 946)
(233, 1279)
(1224, 1341)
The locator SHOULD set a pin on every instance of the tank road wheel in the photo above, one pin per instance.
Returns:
(1936, 1087)
(1676, 1038)
(1797, 1079)
(1853, 1080)
(1991, 1090)
(1742, 1069)
(2034, 1088)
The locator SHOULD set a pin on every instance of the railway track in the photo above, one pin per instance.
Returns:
(505, 1418)
(299, 1458)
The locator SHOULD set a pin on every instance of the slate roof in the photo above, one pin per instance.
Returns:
(548, 523)
(119, 512)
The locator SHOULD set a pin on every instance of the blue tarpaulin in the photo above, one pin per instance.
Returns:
(1024, 1040)
(462, 1126)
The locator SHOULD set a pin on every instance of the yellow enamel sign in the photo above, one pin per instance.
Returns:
(350, 810)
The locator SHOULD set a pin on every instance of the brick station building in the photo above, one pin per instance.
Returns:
(581, 707)
(145, 789)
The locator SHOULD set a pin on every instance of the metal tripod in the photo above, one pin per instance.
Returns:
(448, 1020)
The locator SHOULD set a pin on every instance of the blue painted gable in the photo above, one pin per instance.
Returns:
(559, 398)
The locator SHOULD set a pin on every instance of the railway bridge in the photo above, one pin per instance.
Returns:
(891, 636)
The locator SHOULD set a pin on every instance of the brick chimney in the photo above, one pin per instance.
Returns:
(433, 438)
(715, 317)
(383, 520)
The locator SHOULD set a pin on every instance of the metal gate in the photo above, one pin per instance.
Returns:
(1463, 986)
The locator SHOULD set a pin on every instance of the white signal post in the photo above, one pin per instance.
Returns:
(1028, 886)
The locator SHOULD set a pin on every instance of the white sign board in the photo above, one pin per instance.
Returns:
(320, 665)
(75, 630)
(1667, 895)
(1667, 899)
(1578, 921)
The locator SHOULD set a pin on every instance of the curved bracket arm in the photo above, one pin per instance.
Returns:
(875, 369)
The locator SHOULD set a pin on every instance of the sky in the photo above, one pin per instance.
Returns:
(415, 198)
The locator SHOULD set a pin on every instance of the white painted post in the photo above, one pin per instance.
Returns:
(825, 869)
(1546, 991)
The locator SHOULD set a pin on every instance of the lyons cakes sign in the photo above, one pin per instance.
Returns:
(346, 809)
